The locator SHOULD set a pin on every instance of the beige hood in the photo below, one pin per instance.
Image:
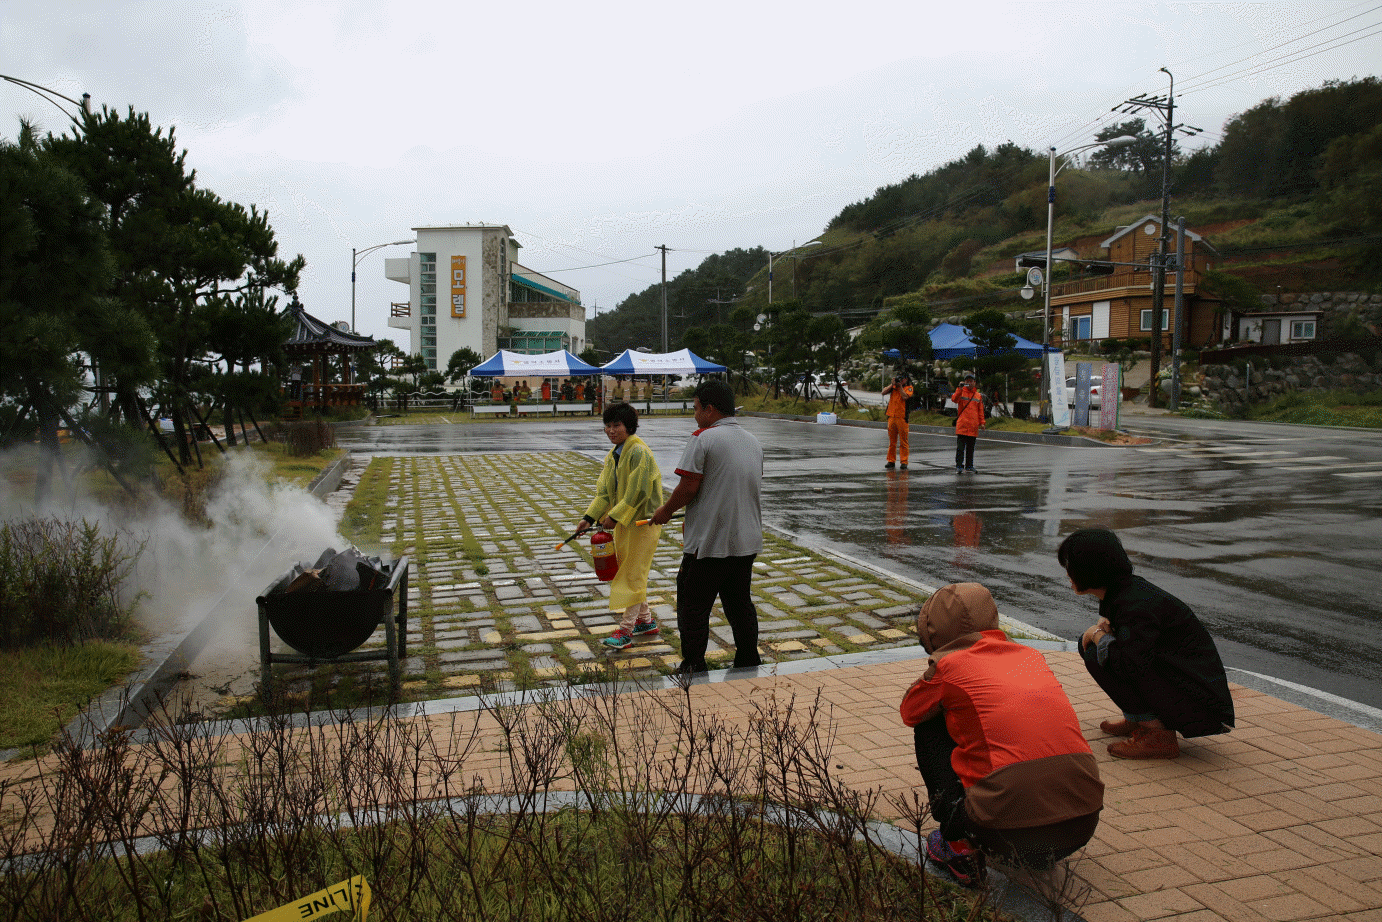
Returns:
(953, 612)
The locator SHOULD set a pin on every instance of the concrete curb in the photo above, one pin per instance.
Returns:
(328, 480)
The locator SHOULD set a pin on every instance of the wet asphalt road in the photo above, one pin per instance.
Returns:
(1270, 532)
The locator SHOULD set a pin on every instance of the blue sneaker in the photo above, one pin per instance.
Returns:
(965, 864)
(619, 639)
(645, 628)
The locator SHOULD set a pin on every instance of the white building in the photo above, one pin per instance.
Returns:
(467, 289)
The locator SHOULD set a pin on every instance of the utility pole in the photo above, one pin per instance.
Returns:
(1179, 328)
(1165, 108)
(663, 248)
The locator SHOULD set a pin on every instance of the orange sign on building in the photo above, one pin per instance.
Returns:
(458, 286)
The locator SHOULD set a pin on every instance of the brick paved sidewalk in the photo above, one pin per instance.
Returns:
(1279, 820)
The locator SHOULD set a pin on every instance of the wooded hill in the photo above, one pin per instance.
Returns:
(1291, 196)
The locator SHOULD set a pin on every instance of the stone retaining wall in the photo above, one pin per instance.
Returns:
(1336, 305)
(1230, 386)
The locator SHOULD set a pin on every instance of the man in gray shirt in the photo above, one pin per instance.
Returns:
(721, 472)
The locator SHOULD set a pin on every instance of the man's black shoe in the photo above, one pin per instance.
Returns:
(889, 466)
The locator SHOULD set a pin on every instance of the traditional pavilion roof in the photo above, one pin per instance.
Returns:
(313, 335)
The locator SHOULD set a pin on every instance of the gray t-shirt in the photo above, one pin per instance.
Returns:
(725, 518)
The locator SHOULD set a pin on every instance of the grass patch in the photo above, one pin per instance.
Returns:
(1356, 409)
(42, 688)
(364, 515)
(298, 471)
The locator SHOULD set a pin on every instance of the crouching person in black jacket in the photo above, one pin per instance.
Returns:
(1148, 652)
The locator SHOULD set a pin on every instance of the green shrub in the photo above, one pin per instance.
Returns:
(60, 583)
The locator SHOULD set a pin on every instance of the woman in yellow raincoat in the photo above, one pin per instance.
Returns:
(629, 489)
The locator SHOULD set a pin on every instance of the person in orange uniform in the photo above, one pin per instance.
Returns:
(1006, 767)
(898, 392)
(496, 393)
(546, 390)
(970, 404)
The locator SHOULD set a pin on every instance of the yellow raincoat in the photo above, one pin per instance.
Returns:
(626, 493)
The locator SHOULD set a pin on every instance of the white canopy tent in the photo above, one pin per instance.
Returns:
(682, 362)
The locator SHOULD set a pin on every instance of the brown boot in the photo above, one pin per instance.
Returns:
(1146, 743)
(1119, 727)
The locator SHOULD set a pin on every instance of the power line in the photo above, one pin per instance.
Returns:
(1293, 58)
(1264, 51)
(614, 262)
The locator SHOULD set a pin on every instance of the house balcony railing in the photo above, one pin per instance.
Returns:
(1139, 282)
(401, 309)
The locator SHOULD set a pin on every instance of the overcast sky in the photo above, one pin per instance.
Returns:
(597, 131)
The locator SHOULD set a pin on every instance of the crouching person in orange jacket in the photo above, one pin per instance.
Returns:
(1007, 770)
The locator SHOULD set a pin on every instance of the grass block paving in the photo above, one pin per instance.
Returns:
(495, 606)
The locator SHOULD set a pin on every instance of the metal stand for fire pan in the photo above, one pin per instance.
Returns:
(328, 627)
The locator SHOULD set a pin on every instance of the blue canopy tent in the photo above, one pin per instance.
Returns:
(949, 341)
(559, 364)
(683, 362)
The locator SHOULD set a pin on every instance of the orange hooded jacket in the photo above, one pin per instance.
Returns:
(1019, 751)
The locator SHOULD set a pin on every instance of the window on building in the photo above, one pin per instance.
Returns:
(1302, 329)
(1146, 326)
(1080, 327)
(534, 342)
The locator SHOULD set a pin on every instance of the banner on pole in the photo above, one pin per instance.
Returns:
(1110, 395)
(1060, 405)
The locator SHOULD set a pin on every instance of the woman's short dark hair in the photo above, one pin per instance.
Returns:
(1094, 558)
(622, 413)
(715, 393)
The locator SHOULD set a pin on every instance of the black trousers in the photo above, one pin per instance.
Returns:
(699, 581)
(1129, 696)
(964, 450)
(1031, 846)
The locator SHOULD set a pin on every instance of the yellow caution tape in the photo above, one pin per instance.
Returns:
(351, 895)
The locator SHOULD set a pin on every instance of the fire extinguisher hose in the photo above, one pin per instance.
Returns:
(573, 537)
(675, 515)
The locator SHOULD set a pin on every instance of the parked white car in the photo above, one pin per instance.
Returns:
(1093, 393)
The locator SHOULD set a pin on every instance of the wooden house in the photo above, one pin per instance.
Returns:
(1119, 305)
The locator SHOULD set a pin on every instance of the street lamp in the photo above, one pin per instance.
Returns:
(771, 256)
(1121, 141)
(355, 257)
(84, 105)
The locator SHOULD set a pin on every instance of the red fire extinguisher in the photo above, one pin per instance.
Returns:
(602, 553)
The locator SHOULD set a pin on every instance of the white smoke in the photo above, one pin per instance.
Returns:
(184, 571)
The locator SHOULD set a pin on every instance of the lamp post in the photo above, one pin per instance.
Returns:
(1121, 141)
(84, 105)
(772, 256)
(355, 257)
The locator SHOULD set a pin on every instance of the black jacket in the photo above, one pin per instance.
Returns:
(1160, 644)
